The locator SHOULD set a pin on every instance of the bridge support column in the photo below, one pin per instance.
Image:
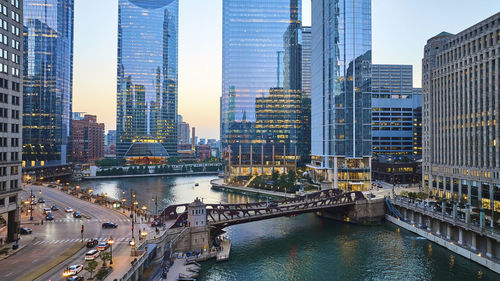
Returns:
(429, 225)
(405, 215)
(489, 247)
(412, 217)
(419, 220)
(448, 231)
(473, 241)
(438, 232)
(460, 236)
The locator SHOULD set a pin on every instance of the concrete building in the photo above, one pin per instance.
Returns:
(110, 138)
(306, 92)
(11, 102)
(341, 144)
(461, 133)
(182, 131)
(87, 139)
(396, 113)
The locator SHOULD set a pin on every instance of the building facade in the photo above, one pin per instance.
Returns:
(461, 133)
(87, 139)
(396, 114)
(182, 131)
(11, 102)
(341, 139)
(48, 82)
(147, 73)
(306, 91)
(261, 58)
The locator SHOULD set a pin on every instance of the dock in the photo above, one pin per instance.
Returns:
(225, 250)
(183, 269)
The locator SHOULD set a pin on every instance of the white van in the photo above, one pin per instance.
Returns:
(47, 211)
(91, 255)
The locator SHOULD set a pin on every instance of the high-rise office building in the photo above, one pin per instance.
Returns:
(48, 82)
(182, 131)
(396, 113)
(306, 91)
(147, 74)
(11, 14)
(461, 130)
(341, 93)
(261, 66)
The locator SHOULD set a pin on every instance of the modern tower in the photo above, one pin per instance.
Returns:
(461, 130)
(306, 90)
(11, 51)
(48, 82)
(147, 74)
(261, 86)
(341, 93)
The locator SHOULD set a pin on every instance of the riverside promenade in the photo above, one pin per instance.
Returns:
(219, 184)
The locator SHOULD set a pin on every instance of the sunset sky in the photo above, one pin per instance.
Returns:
(400, 31)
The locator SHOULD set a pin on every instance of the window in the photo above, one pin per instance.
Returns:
(14, 3)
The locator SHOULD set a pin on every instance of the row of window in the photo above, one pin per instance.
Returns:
(14, 156)
(14, 128)
(4, 113)
(13, 171)
(14, 142)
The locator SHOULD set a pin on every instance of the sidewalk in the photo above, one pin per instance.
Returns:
(24, 241)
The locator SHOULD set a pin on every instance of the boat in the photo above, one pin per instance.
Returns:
(196, 184)
(221, 175)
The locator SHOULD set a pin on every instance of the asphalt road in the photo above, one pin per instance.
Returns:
(54, 237)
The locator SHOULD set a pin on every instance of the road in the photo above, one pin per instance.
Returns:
(54, 237)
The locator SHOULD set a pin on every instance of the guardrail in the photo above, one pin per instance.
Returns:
(492, 233)
(135, 266)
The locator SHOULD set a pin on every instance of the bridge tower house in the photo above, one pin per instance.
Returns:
(197, 222)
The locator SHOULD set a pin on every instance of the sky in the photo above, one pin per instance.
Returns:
(400, 29)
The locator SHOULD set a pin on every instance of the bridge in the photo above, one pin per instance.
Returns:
(219, 216)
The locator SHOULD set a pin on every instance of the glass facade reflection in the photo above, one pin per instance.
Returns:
(48, 80)
(147, 73)
(261, 122)
(341, 92)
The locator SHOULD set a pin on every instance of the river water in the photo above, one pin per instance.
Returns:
(304, 247)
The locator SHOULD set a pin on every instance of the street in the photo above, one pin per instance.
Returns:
(52, 238)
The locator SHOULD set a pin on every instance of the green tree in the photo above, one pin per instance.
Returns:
(91, 267)
(105, 256)
(292, 177)
(275, 176)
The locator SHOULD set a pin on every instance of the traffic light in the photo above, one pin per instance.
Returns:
(82, 228)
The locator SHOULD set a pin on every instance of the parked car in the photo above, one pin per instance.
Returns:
(91, 255)
(47, 211)
(25, 230)
(54, 208)
(68, 210)
(77, 215)
(92, 243)
(109, 225)
(49, 217)
(41, 200)
(102, 246)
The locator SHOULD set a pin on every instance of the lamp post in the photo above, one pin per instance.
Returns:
(155, 199)
(31, 205)
(123, 204)
(110, 242)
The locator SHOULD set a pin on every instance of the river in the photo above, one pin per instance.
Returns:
(304, 247)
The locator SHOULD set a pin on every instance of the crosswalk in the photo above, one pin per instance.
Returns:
(67, 241)
(66, 220)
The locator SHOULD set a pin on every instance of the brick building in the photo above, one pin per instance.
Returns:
(88, 139)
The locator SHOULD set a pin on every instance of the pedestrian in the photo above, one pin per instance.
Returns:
(41, 221)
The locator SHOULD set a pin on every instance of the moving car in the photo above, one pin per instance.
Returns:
(75, 278)
(75, 269)
(41, 200)
(109, 225)
(233, 212)
(47, 211)
(68, 210)
(102, 246)
(25, 230)
(272, 204)
(155, 223)
(92, 255)
(77, 215)
(54, 208)
(49, 217)
(92, 243)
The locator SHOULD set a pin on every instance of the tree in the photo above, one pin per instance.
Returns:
(292, 177)
(91, 267)
(105, 256)
(275, 177)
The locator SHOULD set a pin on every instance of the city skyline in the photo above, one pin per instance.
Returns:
(95, 64)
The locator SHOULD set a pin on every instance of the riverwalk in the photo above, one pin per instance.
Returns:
(219, 184)
(152, 175)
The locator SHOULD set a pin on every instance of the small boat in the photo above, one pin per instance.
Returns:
(196, 184)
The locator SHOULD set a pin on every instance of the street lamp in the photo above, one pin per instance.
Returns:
(123, 204)
(144, 233)
(110, 242)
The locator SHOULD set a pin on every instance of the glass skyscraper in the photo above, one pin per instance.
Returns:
(147, 73)
(341, 93)
(48, 81)
(261, 85)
